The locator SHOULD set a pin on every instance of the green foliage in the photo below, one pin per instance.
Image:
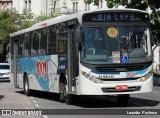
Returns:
(41, 18)
(95, 2)
(11, 21)
(88, 1)
(8, 20)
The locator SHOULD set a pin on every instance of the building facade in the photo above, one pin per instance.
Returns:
(5, 4)
(54, 7)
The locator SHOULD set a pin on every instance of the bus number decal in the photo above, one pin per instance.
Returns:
(41, 68)
(131, 74)
(106, 76)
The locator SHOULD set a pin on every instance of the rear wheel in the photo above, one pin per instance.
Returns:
(26, 85)
(123, 99)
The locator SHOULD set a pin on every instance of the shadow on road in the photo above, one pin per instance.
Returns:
(1, 97)
(97, 101)
(111, 102)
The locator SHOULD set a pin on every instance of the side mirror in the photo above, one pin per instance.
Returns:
(152, 40)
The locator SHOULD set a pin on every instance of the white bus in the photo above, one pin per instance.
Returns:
(101, 52)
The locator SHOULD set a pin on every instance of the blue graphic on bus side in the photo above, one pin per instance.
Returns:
(37, 66)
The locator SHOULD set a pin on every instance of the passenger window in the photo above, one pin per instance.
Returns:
(43, 42)
(35, 44)
(51, 41)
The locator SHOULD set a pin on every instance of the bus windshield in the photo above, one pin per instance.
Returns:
(115, 44)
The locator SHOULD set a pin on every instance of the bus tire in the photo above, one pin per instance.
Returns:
(69, 99)
(62, 87)
(62, 92)
(123, 99)
(26, 85)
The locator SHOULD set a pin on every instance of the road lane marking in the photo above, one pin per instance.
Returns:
(31, 98)
(36, 105)
(44, 116)
(34, 101)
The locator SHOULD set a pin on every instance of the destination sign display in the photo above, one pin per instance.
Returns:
(115, 17)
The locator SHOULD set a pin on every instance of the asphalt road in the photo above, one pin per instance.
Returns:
(12, 98)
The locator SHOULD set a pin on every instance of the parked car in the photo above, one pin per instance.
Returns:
(4, 71)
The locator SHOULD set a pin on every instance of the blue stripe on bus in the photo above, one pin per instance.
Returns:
(136, 72)
(127, 73)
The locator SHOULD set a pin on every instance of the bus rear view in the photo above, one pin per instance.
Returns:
(115, 54)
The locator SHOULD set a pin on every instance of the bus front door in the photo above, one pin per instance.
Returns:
(15, 55)
(72, 60)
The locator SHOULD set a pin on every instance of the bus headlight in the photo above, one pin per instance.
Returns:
(7, 73)
(91, 77)
(147, 76)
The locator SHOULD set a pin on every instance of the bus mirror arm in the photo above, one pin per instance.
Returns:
(78, 37)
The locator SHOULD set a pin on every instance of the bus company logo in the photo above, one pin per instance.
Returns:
(131, 74)
(41, 68)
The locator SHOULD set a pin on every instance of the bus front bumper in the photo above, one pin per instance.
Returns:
(88, 87)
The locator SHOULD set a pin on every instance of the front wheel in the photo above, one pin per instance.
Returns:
(26, 85)
(64, 95)
(69, 99)
(123, 99)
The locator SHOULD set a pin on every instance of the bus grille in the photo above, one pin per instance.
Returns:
(119, 68)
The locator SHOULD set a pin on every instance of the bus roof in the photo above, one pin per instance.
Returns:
(63, 18)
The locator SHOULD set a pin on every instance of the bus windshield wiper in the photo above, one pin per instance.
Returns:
(125, 41)
(130, 34)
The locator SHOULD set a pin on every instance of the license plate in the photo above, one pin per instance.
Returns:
(121, 87)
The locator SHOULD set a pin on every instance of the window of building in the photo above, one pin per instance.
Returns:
(87, 6)
(29, 6)
(25, 5)
(75, 6)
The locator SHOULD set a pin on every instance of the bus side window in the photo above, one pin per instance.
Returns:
(27, 45)
(35, 44)
(43, 42)
(51, 41)
(21, 46)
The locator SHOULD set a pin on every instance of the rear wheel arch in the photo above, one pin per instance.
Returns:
(26, 84)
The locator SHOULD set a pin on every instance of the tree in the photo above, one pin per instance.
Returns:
(11, 21)
(41, 18)
(96, 2)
